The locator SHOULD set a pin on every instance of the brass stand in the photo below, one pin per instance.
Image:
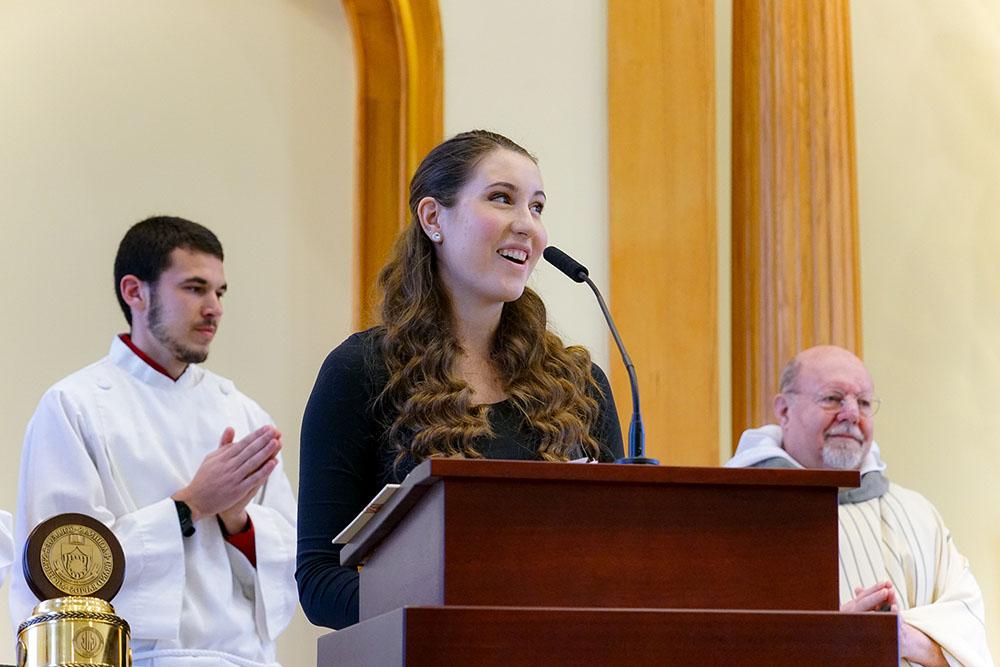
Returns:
(73, 632)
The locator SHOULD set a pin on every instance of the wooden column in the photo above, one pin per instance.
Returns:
(661, 126)
(795, 272)
(400, 91)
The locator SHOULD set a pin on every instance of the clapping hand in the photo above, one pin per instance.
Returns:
(231, 475)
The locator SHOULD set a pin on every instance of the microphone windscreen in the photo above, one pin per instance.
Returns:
(565, 263)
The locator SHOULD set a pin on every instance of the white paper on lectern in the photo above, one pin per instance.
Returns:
(365, 515)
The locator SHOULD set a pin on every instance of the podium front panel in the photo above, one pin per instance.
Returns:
(486, 636)
(521, 541)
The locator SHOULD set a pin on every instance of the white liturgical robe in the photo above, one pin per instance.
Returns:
(115, 440)
(898, 536)
(6, 545)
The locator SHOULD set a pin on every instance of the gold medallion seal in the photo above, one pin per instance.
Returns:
(76, 559)
(73, 555)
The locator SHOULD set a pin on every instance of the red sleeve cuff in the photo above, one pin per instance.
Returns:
(244, 540)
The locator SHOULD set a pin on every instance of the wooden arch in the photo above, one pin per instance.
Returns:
(400, 91)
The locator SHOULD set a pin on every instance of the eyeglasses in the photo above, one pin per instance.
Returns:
(834, 402)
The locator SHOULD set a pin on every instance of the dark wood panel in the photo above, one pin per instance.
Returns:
(518, 636)
(641, 546)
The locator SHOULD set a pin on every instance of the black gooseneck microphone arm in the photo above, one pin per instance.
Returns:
(636, 433)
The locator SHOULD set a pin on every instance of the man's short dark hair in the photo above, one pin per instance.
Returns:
(145, 250)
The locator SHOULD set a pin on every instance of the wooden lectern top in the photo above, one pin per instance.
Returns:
(432, 471)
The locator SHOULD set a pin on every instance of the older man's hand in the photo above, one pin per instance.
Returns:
(914, 645)
(918, 648)
(880, 597)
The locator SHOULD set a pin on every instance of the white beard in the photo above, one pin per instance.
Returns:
(843, 455)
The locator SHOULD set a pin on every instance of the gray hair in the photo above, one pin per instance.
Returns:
(789, 375)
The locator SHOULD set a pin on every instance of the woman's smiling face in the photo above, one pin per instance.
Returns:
(492, 237)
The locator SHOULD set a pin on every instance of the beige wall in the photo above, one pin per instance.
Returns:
(238, 115)
(927, 82)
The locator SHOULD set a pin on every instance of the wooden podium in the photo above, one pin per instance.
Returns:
(509, 562)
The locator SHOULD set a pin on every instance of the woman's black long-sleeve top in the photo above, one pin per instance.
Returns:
(344, 462)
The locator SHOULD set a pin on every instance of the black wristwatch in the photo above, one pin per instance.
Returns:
(184, 515)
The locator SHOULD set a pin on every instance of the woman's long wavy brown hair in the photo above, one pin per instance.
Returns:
(549, 384)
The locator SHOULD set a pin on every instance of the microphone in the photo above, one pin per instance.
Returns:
(572, 268)
(578, 273)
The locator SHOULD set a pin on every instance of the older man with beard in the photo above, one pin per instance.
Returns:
(895, 551)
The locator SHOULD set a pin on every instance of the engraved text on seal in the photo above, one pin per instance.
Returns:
(76, 559)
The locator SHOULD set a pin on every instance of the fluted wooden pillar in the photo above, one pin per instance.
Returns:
(400, 89)
(795, 222)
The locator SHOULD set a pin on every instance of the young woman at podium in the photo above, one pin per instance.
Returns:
(461, 364)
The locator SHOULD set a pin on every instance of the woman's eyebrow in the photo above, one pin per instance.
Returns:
(505, 184)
